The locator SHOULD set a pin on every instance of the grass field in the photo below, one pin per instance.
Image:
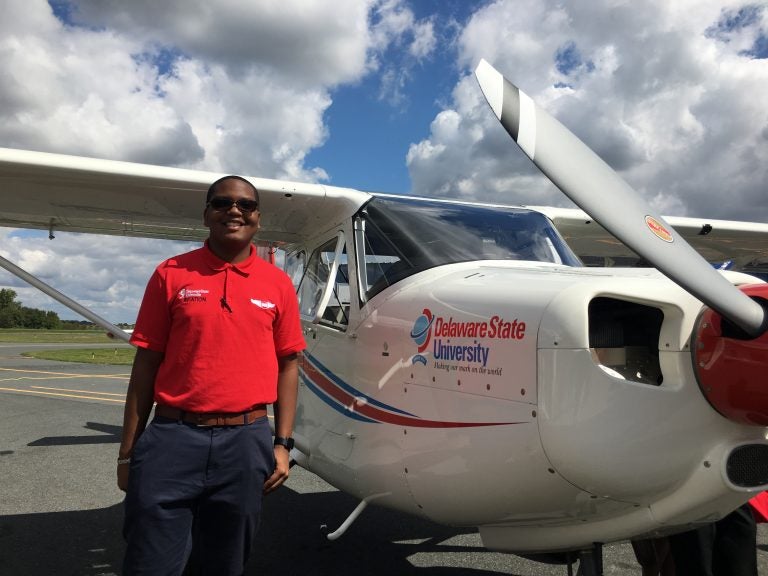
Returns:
(123, 355)
(57, 336)
(113, 352)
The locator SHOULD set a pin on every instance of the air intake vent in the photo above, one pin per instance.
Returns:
(624, 336)
(748, 465)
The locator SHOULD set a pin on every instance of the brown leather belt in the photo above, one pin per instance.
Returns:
(212, 418)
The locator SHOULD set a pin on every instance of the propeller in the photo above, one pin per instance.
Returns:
(598, 190)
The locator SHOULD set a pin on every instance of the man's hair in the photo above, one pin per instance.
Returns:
(212, 187)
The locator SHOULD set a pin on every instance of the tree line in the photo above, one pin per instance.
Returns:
(14, 315)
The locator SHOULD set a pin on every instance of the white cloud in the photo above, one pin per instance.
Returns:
(305, 40)
(107, 274)
(424, 41)
(667, 93)
(394, 25)
(211, 84)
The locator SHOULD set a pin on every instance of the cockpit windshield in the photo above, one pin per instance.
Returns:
(403, 236)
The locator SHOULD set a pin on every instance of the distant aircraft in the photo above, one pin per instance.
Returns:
(463, 366)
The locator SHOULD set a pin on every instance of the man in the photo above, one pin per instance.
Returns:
(727, 547)
(217, 339)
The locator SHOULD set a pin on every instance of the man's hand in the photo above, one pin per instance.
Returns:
(122, 476)
(282, 470)
(138, 405)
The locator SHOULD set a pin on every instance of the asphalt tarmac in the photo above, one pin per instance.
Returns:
(61, 512)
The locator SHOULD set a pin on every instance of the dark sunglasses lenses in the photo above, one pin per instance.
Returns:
(244, 205)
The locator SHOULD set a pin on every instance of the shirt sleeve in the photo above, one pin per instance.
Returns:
(154, 320)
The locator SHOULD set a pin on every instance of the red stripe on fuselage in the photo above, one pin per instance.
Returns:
(355, 404)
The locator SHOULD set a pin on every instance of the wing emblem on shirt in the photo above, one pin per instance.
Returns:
(265, 304)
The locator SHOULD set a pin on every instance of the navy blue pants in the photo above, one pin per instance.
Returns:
(207, 478)
(726, 548)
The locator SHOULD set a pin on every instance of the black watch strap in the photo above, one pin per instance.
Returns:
(283, 441)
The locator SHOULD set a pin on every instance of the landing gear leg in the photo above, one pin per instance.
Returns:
(591, 561)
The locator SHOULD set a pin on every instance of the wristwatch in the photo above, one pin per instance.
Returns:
(287, 443)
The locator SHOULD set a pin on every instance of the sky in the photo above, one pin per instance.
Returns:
(377, 95)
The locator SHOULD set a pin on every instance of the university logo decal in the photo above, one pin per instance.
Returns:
(460, 341)
(421, 334)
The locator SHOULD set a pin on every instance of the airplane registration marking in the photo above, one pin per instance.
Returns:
(346, 400)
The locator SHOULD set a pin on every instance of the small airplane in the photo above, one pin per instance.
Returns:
(462, 365)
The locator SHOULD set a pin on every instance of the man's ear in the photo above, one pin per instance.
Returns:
(205, 218)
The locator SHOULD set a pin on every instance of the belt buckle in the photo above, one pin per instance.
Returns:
(199, 421)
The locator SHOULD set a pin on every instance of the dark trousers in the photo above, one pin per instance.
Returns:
(183, 476)
(727, 547)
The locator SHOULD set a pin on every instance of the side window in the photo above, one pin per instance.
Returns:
(315, 279)
(295, 263)
(316, 295)
(337, 311)
(383, 262)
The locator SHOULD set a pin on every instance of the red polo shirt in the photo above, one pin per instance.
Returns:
(222, 328)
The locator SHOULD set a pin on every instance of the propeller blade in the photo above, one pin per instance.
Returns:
(598, 190)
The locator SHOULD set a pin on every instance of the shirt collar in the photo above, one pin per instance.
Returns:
(217, 264)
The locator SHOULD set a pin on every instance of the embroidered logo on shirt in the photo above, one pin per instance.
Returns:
(193, 294)
(265, 304)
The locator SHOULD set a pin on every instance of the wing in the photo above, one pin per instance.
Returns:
(743, 243)
(57, 192)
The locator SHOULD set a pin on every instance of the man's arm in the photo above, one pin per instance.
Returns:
(138, 404)
(285, 413)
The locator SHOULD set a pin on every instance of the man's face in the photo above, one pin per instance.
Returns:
(231, 224)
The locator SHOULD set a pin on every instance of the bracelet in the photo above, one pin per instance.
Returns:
(121, 461)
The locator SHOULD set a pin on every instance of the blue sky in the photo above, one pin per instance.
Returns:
(370, 133)
(370, 137)
(378, 95)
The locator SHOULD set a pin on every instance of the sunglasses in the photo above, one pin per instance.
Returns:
(221, 204)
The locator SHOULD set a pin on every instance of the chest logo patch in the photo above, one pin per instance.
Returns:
(264, 304)
(193, 294)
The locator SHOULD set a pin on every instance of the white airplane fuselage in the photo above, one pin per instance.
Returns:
(471, 394)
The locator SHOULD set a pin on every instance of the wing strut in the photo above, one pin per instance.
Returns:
(62, 298)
